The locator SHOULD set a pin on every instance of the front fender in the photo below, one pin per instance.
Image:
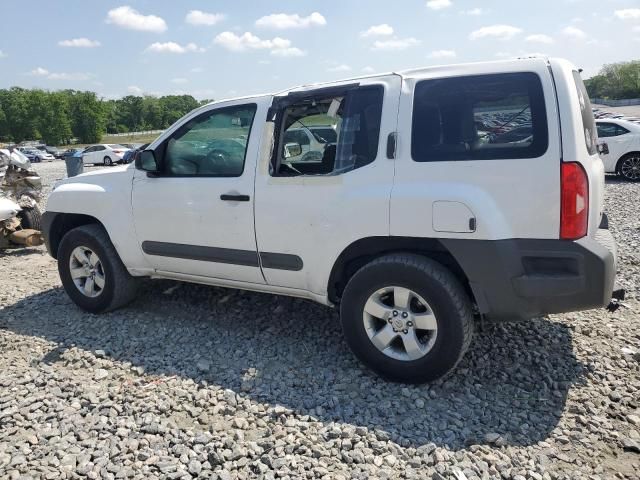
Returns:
(107, 198)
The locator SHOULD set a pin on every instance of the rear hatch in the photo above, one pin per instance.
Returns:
(579, 139)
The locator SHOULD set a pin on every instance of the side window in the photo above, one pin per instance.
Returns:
(341, 133)
(621, 130)
(607, 130)
(478, 117)
(212, 144)
(99, 148)
(89, 150)
(588, 122)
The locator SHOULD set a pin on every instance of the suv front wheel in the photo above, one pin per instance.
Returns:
(407, 318)
(91, 270)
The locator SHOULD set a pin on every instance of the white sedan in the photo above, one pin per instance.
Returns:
(623, 139)
(103, 154)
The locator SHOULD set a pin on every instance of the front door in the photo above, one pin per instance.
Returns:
(195, 216)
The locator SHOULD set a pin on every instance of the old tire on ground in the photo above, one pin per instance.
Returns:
(30, 218)
(407, 318)
(101, 282)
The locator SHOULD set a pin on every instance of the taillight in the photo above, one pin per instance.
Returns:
(574, 208)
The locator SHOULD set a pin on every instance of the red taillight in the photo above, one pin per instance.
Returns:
(574, 208)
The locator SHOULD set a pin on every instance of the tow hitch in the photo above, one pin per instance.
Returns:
(616, 297)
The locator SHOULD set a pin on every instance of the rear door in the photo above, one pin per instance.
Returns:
(309, 208)
(478, 153)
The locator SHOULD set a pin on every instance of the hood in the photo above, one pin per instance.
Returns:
(103, 172)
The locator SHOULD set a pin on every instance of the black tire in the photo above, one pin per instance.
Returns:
(30, 218)
(107, 161)
(630, 177)
(441, 290)
(120, 288)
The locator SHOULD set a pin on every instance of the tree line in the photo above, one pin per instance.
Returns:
(616, 81)
(59, 117)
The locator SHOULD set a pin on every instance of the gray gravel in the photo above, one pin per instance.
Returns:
(199, 382)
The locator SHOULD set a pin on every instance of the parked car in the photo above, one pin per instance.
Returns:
(56, 152)
(42, 156)
(623, 141)
(133, 148)
(71, 152)
(105, 154)
(29, 153)
(408, 223)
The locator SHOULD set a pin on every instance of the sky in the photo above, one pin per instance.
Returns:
(218, 49)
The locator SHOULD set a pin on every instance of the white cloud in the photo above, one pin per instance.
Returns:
(539, 38)
(472, 11)
(438, 4)
(173, 47)
(40, 72)
(134, 90)
(288, 52)
(248, 41)
(197, 70)
(69, 76)
(443, 54)
(198, 17)
(339, 68)
(368, 69)
(501, 32)
(395, 44)
(43, 72)
(129, 18)
(377, 30)
(574, 33)
(2, 54)
(282, 21)
(628, 14)
(79, 43)
(179, 80)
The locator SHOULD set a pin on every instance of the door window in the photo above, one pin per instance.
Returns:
(610, 130)
(341, 133)
(213, 144)
(478, 117)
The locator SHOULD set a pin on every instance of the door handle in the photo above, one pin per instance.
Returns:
(232, 197)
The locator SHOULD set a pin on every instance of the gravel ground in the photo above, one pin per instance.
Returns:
(199, 382)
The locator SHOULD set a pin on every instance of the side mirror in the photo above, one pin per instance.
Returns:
(292, 150)
(146, 160)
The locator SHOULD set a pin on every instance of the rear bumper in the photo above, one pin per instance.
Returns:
(519, 279)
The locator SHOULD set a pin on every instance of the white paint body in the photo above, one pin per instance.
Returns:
(318, 217)
(620, 145)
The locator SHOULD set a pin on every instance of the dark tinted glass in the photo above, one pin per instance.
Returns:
(606, 130)
(479, 117)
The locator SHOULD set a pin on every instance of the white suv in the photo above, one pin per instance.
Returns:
(423, 213)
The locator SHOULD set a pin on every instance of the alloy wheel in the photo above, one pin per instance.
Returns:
(87, 271)
(630, 167)
(400, 323)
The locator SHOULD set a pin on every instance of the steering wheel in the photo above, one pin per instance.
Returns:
(218, 158)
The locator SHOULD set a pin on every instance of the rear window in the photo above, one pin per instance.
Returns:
(588, 122)
(480, 117)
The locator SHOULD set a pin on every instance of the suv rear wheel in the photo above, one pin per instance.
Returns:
(407, 318)
(91, 270)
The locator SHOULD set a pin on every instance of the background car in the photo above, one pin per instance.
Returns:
(623, 140)
(105, 154)
(129, 155)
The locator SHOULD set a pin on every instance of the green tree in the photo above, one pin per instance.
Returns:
(616, 81)
(88, 116)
